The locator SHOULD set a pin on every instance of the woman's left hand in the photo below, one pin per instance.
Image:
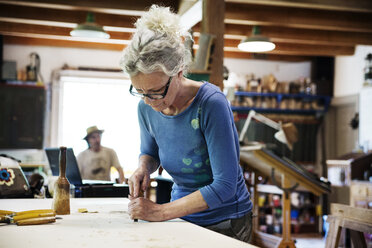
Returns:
(144, 209)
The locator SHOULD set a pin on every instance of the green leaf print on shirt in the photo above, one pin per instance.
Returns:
(187, 161)
(198, 165)
(195, 123)
(187, 170)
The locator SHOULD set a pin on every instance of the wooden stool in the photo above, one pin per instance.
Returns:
(357, 220)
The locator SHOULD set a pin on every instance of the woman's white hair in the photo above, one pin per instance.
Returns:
(157, 45)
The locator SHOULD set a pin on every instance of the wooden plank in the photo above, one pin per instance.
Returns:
(251, 14)
(124, 7)
(299, 49)
(297, 35)
(109, 226)
(213, 23)
(27, 14)
(22, 28)
(358, 214)
(334, 232)
(343, 5)
(60, 43)
(34, 41)
(263, 56)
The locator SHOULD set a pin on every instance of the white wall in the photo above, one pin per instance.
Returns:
(55, 57)
(349, 72)
(283, 71)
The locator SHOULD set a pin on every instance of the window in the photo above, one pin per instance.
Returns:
(102, 101)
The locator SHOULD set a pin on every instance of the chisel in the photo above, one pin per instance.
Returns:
(140, 194)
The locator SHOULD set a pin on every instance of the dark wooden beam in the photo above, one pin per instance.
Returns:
(297, 35)
(213, 23)
(303, 36)
(297, 48)
(18, 40)
(53, 16)
(35, 30)
(14, 40)
(124, 7)
(254, 14)
(301, 49)
(340, 5)
(269, 57)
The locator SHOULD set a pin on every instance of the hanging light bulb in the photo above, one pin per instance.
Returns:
(89, 29)
(256, 43)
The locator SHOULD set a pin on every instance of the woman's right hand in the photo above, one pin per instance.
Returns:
(138, 182)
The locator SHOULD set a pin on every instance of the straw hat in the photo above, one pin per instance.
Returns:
(92, 129)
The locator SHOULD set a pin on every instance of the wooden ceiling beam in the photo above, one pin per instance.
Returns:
(123, 7)
(21, 28)
(339, 5)
(300, 49)
(296, 48)
(119, 47)
(14, 40)
(63, 16)
(254, 14)
(297, 35)
(303, 36)
(264, 56)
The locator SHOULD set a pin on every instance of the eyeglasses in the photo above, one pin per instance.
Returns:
(154, 96)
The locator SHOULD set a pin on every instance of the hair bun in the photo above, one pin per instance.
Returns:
(160, 20)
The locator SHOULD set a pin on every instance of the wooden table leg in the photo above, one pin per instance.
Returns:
(286, 241)
(334, 232)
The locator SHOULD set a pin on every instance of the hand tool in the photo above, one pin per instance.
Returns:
(140, 194)
(13, 213)
(31, 217)
(61, 201)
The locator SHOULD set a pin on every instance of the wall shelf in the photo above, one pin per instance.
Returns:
(322, 103)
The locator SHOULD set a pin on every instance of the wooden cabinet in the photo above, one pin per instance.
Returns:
(22, 112)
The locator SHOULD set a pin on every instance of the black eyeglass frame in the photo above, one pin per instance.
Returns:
(151, 96)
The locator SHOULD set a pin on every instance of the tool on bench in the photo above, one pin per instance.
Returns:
(140, 194)
(31, 217)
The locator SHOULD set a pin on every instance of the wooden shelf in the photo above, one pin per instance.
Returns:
(325, 101)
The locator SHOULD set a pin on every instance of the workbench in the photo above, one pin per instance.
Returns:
(107, 224)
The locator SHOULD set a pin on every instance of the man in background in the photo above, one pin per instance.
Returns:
(95, 162)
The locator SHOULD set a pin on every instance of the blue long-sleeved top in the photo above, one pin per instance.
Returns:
(199, 148)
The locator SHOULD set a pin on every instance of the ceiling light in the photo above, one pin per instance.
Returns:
(256, 43)
(90, 29)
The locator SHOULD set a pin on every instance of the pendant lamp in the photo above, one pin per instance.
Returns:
(256, 42)
(90, 29)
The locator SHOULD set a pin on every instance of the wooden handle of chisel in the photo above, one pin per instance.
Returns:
(6, 212)
(141, 193)
(32, 215)
(39, 211)
(36, 221)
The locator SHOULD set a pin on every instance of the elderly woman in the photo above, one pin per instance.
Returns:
(188, 128)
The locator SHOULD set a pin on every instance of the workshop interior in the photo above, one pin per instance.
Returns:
(296, 75)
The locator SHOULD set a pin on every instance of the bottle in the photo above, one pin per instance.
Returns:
(61, 200)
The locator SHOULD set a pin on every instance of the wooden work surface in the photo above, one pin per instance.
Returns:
(110, 227)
